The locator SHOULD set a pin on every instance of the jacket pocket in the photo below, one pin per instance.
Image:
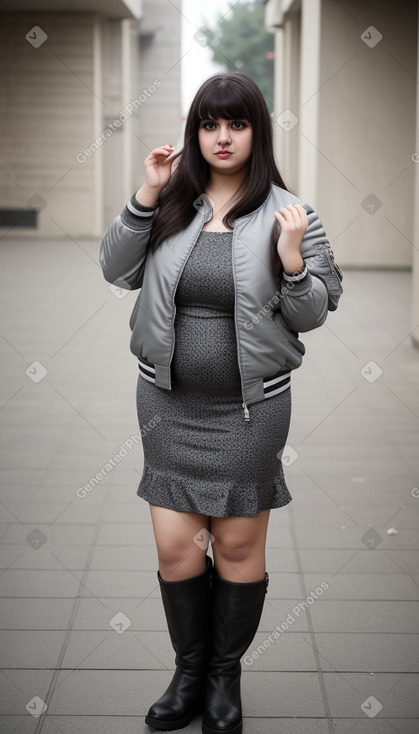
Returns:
(333, 278)
(293, 349)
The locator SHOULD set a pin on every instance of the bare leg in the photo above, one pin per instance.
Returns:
(180, 557)
(184, 579)
(239, 547)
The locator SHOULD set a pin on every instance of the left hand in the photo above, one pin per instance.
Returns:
(293, 221)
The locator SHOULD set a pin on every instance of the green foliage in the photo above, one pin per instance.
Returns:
(240, 42)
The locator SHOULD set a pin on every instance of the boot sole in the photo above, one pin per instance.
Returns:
(237, 729)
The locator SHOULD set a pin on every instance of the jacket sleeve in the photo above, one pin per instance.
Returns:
(123, 249)
(308, 295)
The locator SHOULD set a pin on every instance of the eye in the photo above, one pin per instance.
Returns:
(239, 124)
(209, 125)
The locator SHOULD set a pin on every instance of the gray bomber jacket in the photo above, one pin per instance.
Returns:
(268, 317)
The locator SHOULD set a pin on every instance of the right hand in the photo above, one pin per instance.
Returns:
(158, 168)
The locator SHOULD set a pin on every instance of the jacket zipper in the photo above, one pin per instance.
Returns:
(174, 295)
(244, 406)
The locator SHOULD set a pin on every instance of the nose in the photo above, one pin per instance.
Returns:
(224, 137)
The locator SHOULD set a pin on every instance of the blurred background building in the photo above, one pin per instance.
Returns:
(347, 124)
(88, 89)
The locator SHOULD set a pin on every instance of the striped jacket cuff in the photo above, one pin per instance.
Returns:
(297, 285)
(147, 371)
(276, 384)
(299, 276)
(137, 216)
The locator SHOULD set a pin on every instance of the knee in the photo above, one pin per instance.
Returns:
(173, 553)
(233, 550)
(178, 560)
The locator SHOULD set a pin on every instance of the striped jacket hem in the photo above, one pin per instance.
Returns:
(271, 385)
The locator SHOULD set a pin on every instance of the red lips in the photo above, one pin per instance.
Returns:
(223, 154)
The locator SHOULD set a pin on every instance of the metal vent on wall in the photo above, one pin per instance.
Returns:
(19, 218)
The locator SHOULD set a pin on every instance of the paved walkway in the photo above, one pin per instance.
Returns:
(84, 642)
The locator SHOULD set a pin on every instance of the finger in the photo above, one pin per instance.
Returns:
(280, 219)
(158, 160)
(172, 154)
(163, 150)
(165, 147)
(283, 215)
(290, 219)
(301, 210)
(295, 212)
(292, 214)
(299, 216)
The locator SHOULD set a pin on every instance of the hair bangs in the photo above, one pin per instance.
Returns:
(225, 96)
(223, 101)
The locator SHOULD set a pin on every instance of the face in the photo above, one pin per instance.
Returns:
(226, 145)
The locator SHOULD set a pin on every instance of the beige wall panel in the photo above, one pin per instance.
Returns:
(46, 119)
(415, 273)
(366, 132)
(159, 118)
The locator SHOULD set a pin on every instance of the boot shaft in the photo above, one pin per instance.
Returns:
(187, 607)
(236, 610)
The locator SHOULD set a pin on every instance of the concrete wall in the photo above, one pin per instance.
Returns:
(46, 117)
(415, 273)
(160, 43)
(349, 153)
(156, 120)
(120, 64)
(366, 130)
(80, 112)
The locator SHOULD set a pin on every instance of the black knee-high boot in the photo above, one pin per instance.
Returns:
(187, 605)
(236, 610)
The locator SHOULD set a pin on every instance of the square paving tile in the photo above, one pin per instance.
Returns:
(20, 687)
(355, 472)
(35, 613)
(18, 724)
(368, 652)
(365, 616)
(391, 695)
(30, 649)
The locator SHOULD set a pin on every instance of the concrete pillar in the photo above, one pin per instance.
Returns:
(98, 118)
(309, 86)
(286, 98)
(127, 91)
(279, 100)
(291, 81)
(415, 261)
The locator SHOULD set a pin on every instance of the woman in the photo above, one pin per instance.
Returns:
(231, 267)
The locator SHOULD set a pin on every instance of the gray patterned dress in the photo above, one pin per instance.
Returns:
(202, 456)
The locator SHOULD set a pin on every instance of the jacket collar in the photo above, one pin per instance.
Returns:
(204, 209)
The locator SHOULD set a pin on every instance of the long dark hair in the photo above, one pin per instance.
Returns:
(232, 96)
(276, 262)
